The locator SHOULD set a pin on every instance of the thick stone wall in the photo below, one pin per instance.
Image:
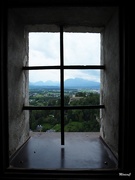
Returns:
(110, 83)
(17, 84)
(18, 80)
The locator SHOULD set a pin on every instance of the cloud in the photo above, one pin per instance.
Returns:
(38, 58)
(44, 49)
(93, 75)
(82, 48)
(79, 49)
(44, 75)
(54, 75)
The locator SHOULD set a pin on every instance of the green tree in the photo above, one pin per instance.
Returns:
(80, 94)
(75, 120)
(74, 127)
(66, 100)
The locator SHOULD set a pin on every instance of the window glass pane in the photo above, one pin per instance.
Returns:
(82, 48)
(44, 49)
(86, 120)
(45, 121)
(44, 87)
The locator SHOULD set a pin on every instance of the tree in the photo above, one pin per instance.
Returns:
(75, 120)
(66, 100)
(80, 94)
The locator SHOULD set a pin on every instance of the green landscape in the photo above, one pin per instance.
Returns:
(75, 120)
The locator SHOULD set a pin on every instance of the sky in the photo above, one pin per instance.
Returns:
(79, 49)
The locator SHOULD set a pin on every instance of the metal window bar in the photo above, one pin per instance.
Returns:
(62, 108)
(62, 84)
(64, 67)
(61, 67)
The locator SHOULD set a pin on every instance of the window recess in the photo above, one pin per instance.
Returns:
(63, 67)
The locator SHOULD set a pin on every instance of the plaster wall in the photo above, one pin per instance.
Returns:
(110, 83)
(17, 84)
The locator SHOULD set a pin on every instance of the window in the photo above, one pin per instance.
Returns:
(115, 77)
(69, 59)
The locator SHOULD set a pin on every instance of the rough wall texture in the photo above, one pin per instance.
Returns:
(110, 84)
(17, 86)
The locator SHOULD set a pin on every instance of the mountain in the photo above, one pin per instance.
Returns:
(69, 83)
(78, 82)
(47, 83)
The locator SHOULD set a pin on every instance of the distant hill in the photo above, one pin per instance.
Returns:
(69, 83)
(47, 83)
(78, 82)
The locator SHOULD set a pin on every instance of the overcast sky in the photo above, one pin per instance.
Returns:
(79, 49)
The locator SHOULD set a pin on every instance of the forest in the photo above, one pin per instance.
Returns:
(75, 120)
